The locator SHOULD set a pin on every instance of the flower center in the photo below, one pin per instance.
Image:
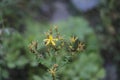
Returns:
(50, 37)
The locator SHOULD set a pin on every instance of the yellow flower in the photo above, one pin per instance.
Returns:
(73, 39)
(50, 40)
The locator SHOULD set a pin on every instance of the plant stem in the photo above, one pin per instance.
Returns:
(53, 76)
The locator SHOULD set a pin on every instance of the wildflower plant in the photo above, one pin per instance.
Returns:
(56, 50)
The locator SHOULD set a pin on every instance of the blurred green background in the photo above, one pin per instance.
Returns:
(96, 22)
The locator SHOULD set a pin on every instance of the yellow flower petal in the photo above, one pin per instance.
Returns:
(48, 42)
(53, 43)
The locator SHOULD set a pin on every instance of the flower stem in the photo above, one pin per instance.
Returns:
(53, 76)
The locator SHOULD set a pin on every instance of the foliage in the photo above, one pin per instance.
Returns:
(88, 65)
(13, 52)
(15, 55)
(13, 13)
(109, 33)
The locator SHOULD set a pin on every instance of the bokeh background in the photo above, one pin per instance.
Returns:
(97, 22)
